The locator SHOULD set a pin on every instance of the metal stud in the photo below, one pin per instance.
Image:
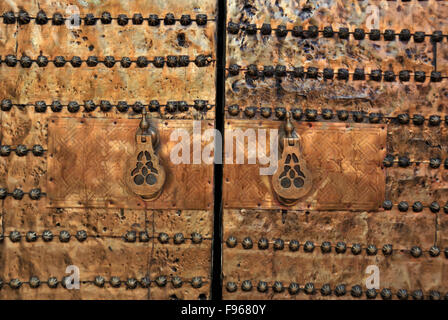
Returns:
(122, 106)
(99, 281)
(356, 249)
(389, 35)
(64, 236)
(9, 17)
(4, 152)
(34, 282)
(52, 282)
(327, 114)
(309, 288)
(138, 107)
(371, 293)
(185, 20)
(340, 290)
(234, 69)
(109, 61)
(176, 282)
(279, 244)
(389, 76)
(115, 282)
(387, 249)
(142, 62)
(125, 62)
(342, 115)
(137, 19)
(196, 237)
(47, 235)
(356, 291)
(18, 194)
(436, 76)
(81, 235)
(262, 286)
(196, 282)
(278, 287)
(403, 118)
(358, 116)
(419, 76)
(445, 207)
(263, 244)
(298, 72)
(231, 286)
(246, 285)
(434, 207)
(153, 20)
(328, 32)
(419, 36)
(169, 19)
(325, 247)
(308, 246)
(359, 74)
(435, 163)
(92, 61)
(40, 106)
(437, 36)
(294, 245)
(11, 60)
(268, 71)
(21, 150)
(73, 107)
(434, 251)
(143, 236)
(375, 34)
(105, 105)
(375, 75)
(325, 290)
(404, 75)
(311, 114)
(281, 31)
(201, 19)
(161, 281)
(359, 34)
(251, 29)
(312, 73)
(247, 243)
(403, 206)
(264, 111)
(386, 294)
(293, 288)
(343, 74)
(434, 120)
(6, 105)
(375, 117)
(417, 295)
(178, 238)
(280, 113)
(15, 283)
(31, 236)
(280, 71)
(131, 283)
(163, 237)
(416, 252)
(130, 236)
(434, 295)
(250, 112)
(231, 242)
(90, 19)
(24, 17)
(15, 236)
(26, 62)
(234, 110)
(106, 18)
(122, 20)
(341, 247)
(59, 61)
(405, 35)
(266, 29)
(402, 294)
(344, 33)
(89, 106)
(371, 250)
(418, 119)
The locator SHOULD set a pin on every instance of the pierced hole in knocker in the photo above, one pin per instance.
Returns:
(144, 171)
(288, 176)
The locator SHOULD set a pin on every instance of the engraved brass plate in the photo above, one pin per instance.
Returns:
(87, 161)
(345, 161)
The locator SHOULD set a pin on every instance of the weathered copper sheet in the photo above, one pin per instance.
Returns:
(97, 151)
(345, 161)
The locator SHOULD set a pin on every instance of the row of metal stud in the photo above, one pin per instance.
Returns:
(109, 61)
(417, 206)
(100, 281)
(326, 247)
(340, 290)
(327, 32)
(41, 18)
(106, 106)
(328, 114)
(359, 74)
(18, 194)
(404, 161)
(21, 150)
(81, 235)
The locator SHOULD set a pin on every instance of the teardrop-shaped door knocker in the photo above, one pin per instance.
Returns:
(145, 176)
(292, 180)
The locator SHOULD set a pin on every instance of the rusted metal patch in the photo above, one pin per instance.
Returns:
(87, 164)
(344, 160)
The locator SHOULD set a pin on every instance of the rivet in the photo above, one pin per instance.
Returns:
(309, 288)
(386, 294)
(434, 207)
(417, 295)
(387, 205)
(122, 20)
(58, 19)
(356, 249)
(52, 282)
(312, 73)
(434, 295)
(15, 283)
(73, 107)
(343, 74)
(293, 288)
(342, 115)
(105, 105)
(59, 61)
(328, 32)
(262, 286)
(387, 249)
(231, 286)
(359, 34)
(130, 236)
(435, 163)
(278, 286)
(92, 61)
(358, 116)
(343, 33)
(404, 75)
(185, 20)
(11, 60)
(89, 106)
(308, 246)
(161, 281)
(325, 290)
(416, 252)
(419, 76)
(122, 106)
(263, 244)
(131, 283)
(126, 62)
(298, 72)
(279, 244)
(24, 17)
(311, 114)
(402, 294)
(434, 251)
(169, 19)
(294, 245)
(106, 18)
(15, 236)
(371, 293)
(280, 113)
(418, 119)
(247, 243)
(405, 35)
(403, 206)
(375, 75)
(389, 76)
(251, 29)
(281, 31)
(371, 250)
(137, 19)
(109, 61)
(340, 290)
(35, 194)
(436, 76)
(404, 161)
(9, 17)
(4, 152)
(153, 20)
(26, 62)
(47, 235)
(81, 235)
(356, 291)
(201, 19)
(142, 62)
(17, 194)
(34, 282)
(196, 282)
(389, 35)
(176, 282)
(64, 236)
(163, 237)
(325, 247)
(266, 112)
(266, 29)
(115, 282)
(437, 36)
(375, 34)
(403, 118)
(90, 19)
(99, 281)
(178, 238)
(6, 105)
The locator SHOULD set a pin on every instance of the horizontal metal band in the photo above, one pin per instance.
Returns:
(329, 114)
(281, 31)
(81, 235)
(114, 282)
(109, 61)
(106, 106)
(326, 247)
(41, 18)
(340, 290)
(280, 71)
(34, 194)
(404, 161)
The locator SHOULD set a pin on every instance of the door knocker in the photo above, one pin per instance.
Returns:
(145, 176)
(292, 180)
